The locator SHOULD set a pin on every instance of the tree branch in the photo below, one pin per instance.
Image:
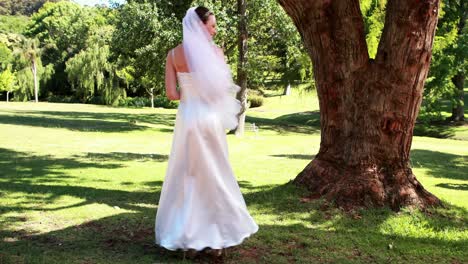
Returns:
(407, 35)
(335, 31)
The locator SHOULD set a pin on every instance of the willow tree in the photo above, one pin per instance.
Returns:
(86, 71)
(29, 63)
(368, 107)
(91, 73)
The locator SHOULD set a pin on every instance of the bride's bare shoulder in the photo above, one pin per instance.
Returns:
(175, 49)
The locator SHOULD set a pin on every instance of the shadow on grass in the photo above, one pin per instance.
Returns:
(362, 230)
(286, 198)
(273, 95)
(304, 232)
(34, 179)
(87, 121)
(119, 198)
(123, 156)
(440, 164)
(303, 122)
(454, 186)
(45, 177)
(309, 123)
(294, 156)
(23, 167)
(432, 130)
(296, 231)
(74, 125)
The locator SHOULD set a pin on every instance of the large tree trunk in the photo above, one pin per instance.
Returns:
(241, 72)
(367, 108)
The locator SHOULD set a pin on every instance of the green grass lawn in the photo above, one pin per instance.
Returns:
(80, 184)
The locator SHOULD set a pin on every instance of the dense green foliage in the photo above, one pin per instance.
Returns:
(7, 81)
(13, 24)
(115, 52)
(112, 53)
(21, 7)
(374, 17)
(449, 57)
(141, 39)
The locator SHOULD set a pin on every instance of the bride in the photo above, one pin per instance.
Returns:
(201, 206)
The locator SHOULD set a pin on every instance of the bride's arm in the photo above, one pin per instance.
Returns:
(171, 79)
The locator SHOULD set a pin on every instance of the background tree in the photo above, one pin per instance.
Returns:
(13, 24)
(241, 70)
(21, 7)
(91, 72)
(29, 60)
(148, 84)
(449, 66)
(141, 40)
(368, 107)
(6, 56)
(373, 13)
(63, 30)
(169, 8)
(460, 51)
(7, 82)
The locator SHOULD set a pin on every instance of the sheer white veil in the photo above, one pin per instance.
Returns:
(212, 79)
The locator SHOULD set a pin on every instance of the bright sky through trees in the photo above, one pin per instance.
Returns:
(94, 2)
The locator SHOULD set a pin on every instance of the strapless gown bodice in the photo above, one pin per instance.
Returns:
(186, 83)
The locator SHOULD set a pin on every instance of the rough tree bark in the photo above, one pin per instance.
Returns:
(368, 107)
(241, 72)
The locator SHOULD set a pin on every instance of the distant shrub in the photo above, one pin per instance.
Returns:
(137, 102)
(62, 99)
(258, 91)
(159, 101)
(162, 101)
(255, 101)
(99, 100)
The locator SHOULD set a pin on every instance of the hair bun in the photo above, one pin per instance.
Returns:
(203, 13)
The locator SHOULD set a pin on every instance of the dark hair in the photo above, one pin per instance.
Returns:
(203, 13)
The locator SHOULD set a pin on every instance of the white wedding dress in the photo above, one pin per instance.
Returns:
(200, 204)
